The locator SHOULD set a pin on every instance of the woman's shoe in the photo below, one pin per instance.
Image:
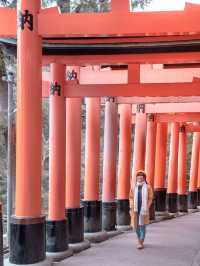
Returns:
(139, 246)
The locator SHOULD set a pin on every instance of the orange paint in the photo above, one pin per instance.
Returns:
(150, 149)
(125, 131)
(139, 143)
(73, 152)
(133, 24)
(109, 156)
(151, 58)
(29, 114)
(173, 159)
(92, 149)
(194, 162)
(160, 156)
(182, 161)
(120, 6)
(57, 147)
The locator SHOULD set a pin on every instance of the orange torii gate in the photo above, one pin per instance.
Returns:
(180, 115)
(171, 40)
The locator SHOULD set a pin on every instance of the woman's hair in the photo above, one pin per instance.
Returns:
(142, 173)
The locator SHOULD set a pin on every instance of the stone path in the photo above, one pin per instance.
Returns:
(174, 242)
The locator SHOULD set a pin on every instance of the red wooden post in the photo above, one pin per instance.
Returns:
(139, 141)
(150, 156)
(160, 167)
(92, 204)
(182, 167)
(192, 195)
(73, 170)
(28, 224)
(109, 167)
(173, 169)
(56, 226)
(124, 174)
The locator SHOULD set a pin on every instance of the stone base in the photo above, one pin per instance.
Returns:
(124, 228)
(27, 240)
(109, 216)
(46, 262)
(75, 224)
(114, 233)
(152, 211)
(96, 237)
(192, 199)
(160, 199)
(56, 236)
(182, 203)
(92, 216)
(58, 256)
(172, 203)
(165, 213)
(123, 216)
(78, 247)
(198, 196)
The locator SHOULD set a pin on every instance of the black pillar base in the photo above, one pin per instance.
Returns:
(152, 211)
(92, 216)
(27, 240)
(160, 199)
(192, 200)
(1, 236)
(172, 202)
(56, 236)
(123, 216)
(109, 216)
(198, 196)
(182, 203)
(75, 218)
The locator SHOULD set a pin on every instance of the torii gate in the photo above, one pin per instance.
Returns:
(169, 38)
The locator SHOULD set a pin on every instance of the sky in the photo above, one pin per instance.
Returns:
(162, 5)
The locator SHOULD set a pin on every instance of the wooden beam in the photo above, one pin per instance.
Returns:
(162, 108)
(147, 100)
(192, 128)
(168, 23)
(161, 58)
(180, 118)
(126, 90)
(189, 117)
(8, 20)
(132, 24)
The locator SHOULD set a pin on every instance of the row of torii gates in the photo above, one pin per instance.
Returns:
(118, 39)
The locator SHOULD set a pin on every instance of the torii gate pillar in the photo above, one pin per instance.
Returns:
(124, 174)
(173, 169)
(192, 195)
(150, 157)
(74, 211)
(56, 226)
(139, 141)
(27, 234)
(182, 166)
(109, 167)
(92, 203)
(160, 167)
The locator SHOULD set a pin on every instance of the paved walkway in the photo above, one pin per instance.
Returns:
(174, 242)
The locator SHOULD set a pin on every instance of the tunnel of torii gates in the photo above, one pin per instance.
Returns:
(123, 41)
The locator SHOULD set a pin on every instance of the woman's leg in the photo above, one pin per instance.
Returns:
(138, 232)
(142, 233)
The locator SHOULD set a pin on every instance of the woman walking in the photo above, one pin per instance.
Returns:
(141, 196)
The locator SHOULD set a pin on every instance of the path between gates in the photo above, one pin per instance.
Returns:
(174, 242)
